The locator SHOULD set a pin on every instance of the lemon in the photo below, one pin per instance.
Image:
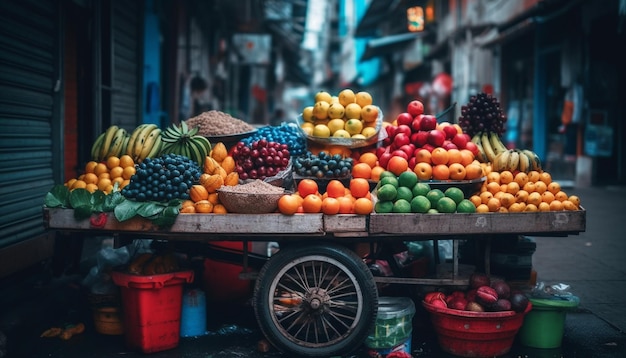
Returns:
(341, 133)
(321, 130)
(358, 136)
(307, 114)
(353, 126)
(323, 96)
(363, 98)
(336, 110)
(320, 110)
(346, 97)
(353, 110)
(369, 132)
(335, 124)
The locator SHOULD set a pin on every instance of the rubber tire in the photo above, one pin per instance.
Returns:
(332, 254)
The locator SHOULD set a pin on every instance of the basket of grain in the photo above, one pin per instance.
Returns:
(255, 197)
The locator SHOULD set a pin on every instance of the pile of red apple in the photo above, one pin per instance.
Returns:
(483, 295)
(413, 130)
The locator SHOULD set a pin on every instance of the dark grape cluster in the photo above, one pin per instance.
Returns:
(482, 113)
(260, 159)
(286, 133)
(323, 165)
(163, 178)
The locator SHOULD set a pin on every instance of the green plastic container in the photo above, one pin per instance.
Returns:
(544, 325)
(394, 323)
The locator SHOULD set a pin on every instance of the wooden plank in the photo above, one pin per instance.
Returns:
(557, 222)
(345, 223)
(249, 224)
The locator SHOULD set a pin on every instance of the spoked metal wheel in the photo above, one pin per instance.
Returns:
(315, 300)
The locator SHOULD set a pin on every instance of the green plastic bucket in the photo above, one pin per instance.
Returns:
(544, 325)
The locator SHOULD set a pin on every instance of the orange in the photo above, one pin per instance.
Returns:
(554, 187)
(104, 176)
(89, 167)
(113, 162)
(547, 197)
(126, 161)
(454, 156)
(441, 172)
(485, 196)
(79, 184)
(359, 187)
(561, 196)
(493, 177)
(569, 206)
(531, 208)
(516, 207)
(213, 198)
(423, 156)
(530, 187)
(506, 177)
(203, 206)
(439, 155)
(187, 203)
(376, 172)
(493, 187)
(575, 200)
(507, 199)
(545, 177)
(476, 200)
(457, 171)
(503, 210)
(543, 206)
(118, 180)
(91, 187)
(556, 205)
(482, 208)
(467, 157)
(533, 176)
(307, 187)
(493, 204)
(312, 203)
(423, 170)
(116, 172)
(105, 184)
(70, 182)
(100, 168)
(124, 183)
(363, 206)
(362, 170)
(369, 158)
(90, 178)
(128, 172)
(540, 187)
(512, 187)
(521, 196)
(219, 209)
(330, 206)
(397, 165)
(534, 198)
(346, 205)
(473, 171)
(335, 188)
(288, 204)
(521, 179)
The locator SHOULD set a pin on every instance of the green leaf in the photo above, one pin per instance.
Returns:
(82, 212)
(97, 201)
(80, 197)
(150, 208)
(164, 220)
(112, 200)
(127, 209)
(57, 197)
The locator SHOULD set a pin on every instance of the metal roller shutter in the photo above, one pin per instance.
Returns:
(28, 109)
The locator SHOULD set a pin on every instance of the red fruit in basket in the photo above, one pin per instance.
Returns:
(458, 303)
(415, 108)
(439, 303)
(478, 279)
(471, 295)
(455, 294)
(429, 122)
(519, 301)
(486, 295)
(404, 118)
(502, 288)
(474, 307)
(430, 296)
(501, 304)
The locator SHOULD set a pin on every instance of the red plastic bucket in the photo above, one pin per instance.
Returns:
(152, 309)
(221, 280)
(475, 334)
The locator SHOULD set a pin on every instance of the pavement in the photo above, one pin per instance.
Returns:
(591, 264)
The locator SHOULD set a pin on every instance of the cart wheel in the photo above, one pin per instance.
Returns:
(315, 300)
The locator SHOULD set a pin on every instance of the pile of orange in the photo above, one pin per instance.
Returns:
(367, 167)
(522, 192)
(104, 175)
(445, 164)
(337, 199)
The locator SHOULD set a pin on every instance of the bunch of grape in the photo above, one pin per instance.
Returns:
(163, 178)
(261, 159)
(482, 113)
(286, 133)
(323, 165)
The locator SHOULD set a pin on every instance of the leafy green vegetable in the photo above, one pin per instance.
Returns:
(57, 197)
(80, 197)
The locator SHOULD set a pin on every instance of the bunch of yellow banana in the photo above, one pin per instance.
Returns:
(112, 142)
(182, 140)
(144, 142)
(523, 160)
(489, 146)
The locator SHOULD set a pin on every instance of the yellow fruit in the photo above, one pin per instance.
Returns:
(228, 164)
(231, 179)
(369, 132)
(219, 209)
(341, 133)
(214, 199)
(358, 136)
(129, 172)
(203, 206)
(346, 97)
(353, 110)
(211, 182)
(363, 98)
(321, 131)
(89, 167)
(113, 162)
(336, 110)
(90, 178)
(210, 165)
(187, 203)
(307, 114)
(320, 110)
(219, 152)
(187, 210)
(198, 192)
(79, 184)
(335, 125)
(353, 126)
(369, 113)
(323, 96)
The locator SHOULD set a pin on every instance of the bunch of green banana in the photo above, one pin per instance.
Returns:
(112, 142)
(182, 140)
(523, 160)
(144, 142)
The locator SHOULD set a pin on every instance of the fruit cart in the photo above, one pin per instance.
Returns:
(316, 296)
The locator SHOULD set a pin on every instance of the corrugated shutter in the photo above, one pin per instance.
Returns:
(29, 43)
(127, 62)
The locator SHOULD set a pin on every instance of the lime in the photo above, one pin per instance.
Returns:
(434, 195)
(384, 206)
(421, 188)
(420, 204)
(446, 205)
(455, 194)
(388, 180)
(407, 178)
(387, 173)
(387, 192)
(432, 211)
(401, 206)
(465, 206)
(404, 193)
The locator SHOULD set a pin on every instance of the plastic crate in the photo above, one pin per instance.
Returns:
(152, 309)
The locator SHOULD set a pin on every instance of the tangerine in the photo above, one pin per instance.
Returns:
(545, 177)
(494, 205)
(288, 204)
(335, 188)
(543, 207)
(521, 179)
(362, 170)
(359, 187)
(493, 177)
(307, 187)
(556, 205)
(561, 196)
(113, 162)
(454, 156)
(126, 161)
(128, 172)
(397, 165)
(89, 167)
(482, 208)
(439, 155)
(506, 177)
(467, 157)
(312, 203)
(116, 172)
(554, 187)
(346, 205)
(569, 206)
(219, 209)
(363, 206)
(376, 172)
(370, 158)
(441, 172)
(330, 206)
(90, 178)
(533, 176)
(100, 168)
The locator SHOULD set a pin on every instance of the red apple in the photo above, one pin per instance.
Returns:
(408, 149)
(391, 130)
(472, 147)
(449, 145)
(421, 138)
(415, 108)
(430, 296)
(384, 159)
(400, 153)
(414, 137)
(403, 128)
(429, 147)
(404, 118)
(460, 139)
(412, 161)
(450, 131)
(436, 137)
(416, 123)
(401, 139)
(428, 123)
(458, 303)
(381, 150)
